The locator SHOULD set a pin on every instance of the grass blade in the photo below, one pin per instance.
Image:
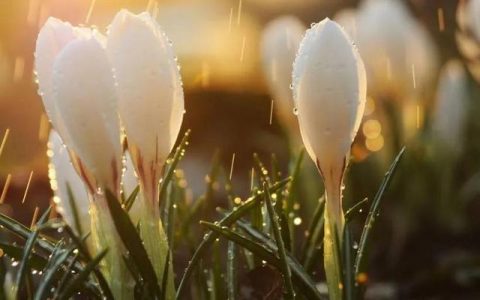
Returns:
(356, 209)
(179, 152)
(217, 276)
(131, 198)
(37, 262)
(284, 267)
(73, 205)
(52, 268)
(165, 276)
(374, 208)
(292, 191)
(79, 243)
(24, 267)
(81, 277)
(267, 253)
(348, 274)
(25, 262)
(231, 268)
(66, 275)
(210, 237)
(132, 242)
(314, 238)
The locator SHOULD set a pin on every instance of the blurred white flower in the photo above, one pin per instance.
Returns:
(472, 11)
(451, 106)
(468, 34)
(62, 174)
(151, 104)
(347, 18)
(280, 41)
(329, 87)
(400, 56)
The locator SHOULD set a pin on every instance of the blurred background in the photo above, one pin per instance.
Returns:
(422, 59)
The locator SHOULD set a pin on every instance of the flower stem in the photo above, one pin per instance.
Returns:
(334, 224)
(154, 237)
(105, 236)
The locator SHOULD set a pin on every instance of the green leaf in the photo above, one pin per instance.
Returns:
(179, 152)
(165, 276)
(169, 215)
(285, 230)
(231, 269)
(264, 250)
(24, 267)
(348, 274)
(355, 210)
(83, 251)
(73, 205)
(59, 257)
(314, 238)
(208, 239)
(284, 267)
(374, 209)
(292, 192)
(261, 169)
(131, 198)
(132, 242)
(66, 276)
(77, 282)
(217, 276)
(37, 262)
(24, 232)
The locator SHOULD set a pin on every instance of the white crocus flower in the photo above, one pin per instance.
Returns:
(151, 108)
(329, 91)
(468, 35)
(280, 41)
(472, 13)
(62, 174)
(452, 105)
(150, 92)
(78, 91)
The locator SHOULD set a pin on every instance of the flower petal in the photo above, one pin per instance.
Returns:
(151, 104)
(84, 93)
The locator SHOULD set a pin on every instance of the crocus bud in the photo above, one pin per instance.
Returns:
(52, 39)
(451, 107)
(329, 88)
(151, 104)
(280, 42)
(85, 97)
(347, 18)
(62, 176)
(393, 45)
(151, 108)
(472, 11)
(468, 34)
